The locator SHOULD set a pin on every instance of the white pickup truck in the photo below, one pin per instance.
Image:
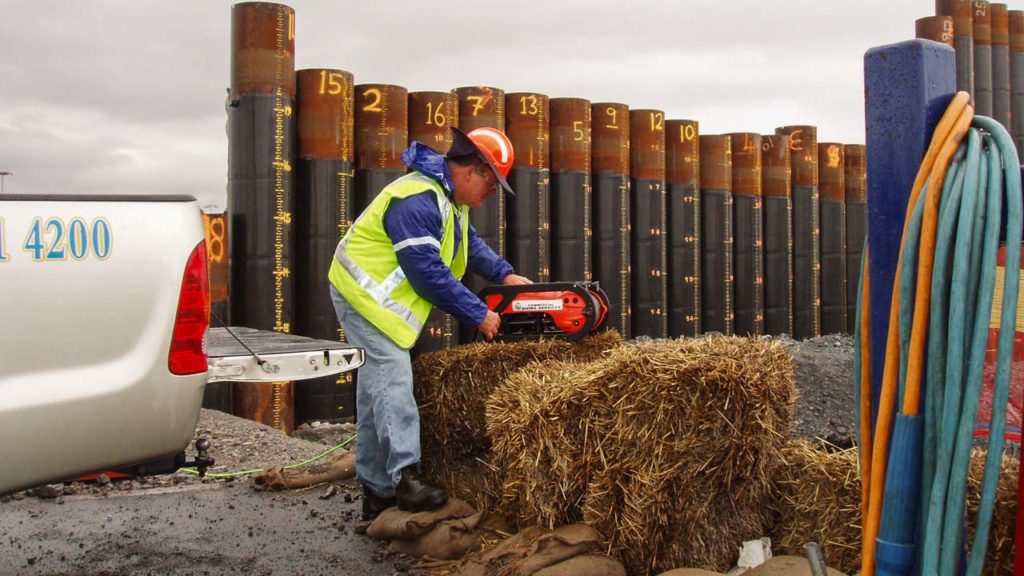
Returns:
(105, 345)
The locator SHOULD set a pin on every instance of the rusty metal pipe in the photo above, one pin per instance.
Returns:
(431, 118)
(1001, 64)
(571, 194)
(935, 28)
(682, 172)
(260, 189)
(1016, 18)
(217, 395)
(831, 178)
(262, 49)
(324, 211)
(777, 179)
(982, 23)
(483, 106)
(716, 234)
(610, 162)
(381, 135)
(748, 238)
(803, 146)
(649, 224)
(962, 12)
(855, 181)
(528, 220)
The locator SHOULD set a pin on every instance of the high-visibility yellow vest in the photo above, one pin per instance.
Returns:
(365, 269)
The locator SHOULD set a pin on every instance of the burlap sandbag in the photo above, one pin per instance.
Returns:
(586, 565)
(531, 550)
(336, 468)
(690, 572)
(787, 566)
(395, 524)
(454, 538)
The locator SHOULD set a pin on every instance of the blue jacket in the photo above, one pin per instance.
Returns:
(419, 216)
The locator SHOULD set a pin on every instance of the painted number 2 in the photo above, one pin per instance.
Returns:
(375, 105)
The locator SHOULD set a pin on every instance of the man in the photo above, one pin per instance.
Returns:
(404, 254)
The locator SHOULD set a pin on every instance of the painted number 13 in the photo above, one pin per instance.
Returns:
(532, 100)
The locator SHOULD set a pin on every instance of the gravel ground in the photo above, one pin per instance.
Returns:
(823, 370)
(181, 524)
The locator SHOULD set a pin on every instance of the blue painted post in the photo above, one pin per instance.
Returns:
(907, 88)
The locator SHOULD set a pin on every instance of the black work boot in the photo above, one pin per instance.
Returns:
(416, 496)
(373, 505)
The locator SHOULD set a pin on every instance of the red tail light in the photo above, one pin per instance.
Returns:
(188, 351)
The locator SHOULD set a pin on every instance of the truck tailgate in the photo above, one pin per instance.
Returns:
(247, 354)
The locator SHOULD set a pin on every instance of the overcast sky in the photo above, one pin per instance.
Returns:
(127, 96)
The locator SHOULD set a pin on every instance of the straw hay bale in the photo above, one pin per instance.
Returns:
(999, 555)
(667, 447)
(468, 478)
(698, 425)
(819, 501)
(452, 386)
(539, 422)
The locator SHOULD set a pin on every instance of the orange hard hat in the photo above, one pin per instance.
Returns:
(496, 149)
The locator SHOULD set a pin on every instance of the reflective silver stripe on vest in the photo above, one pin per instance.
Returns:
(418, 242)
(381, 293)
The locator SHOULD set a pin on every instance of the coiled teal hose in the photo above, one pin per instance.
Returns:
(991, 163)
(983, 171)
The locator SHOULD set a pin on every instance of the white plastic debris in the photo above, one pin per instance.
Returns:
(755, 552)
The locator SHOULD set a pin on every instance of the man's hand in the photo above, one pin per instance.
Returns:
(516, 280)
(489, 327)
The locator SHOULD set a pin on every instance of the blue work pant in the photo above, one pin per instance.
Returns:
(387, 419)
